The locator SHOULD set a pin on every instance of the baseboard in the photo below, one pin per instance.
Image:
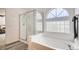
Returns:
(12, 43)
(23, 41)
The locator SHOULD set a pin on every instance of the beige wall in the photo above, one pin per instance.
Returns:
(12, 24)
(2, 11)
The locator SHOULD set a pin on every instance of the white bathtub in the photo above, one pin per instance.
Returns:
(52, 40)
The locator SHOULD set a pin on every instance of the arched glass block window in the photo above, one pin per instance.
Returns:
(59, 12)
(38, 22)
(58, 21)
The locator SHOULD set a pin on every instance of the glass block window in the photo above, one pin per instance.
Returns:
(38, 23)
(57, 21)
(58, 12)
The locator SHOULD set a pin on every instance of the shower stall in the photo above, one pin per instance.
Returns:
(26, 25)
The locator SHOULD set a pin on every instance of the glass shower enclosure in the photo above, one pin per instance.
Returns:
(26, 25)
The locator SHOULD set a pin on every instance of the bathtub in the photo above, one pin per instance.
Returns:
(49, 41)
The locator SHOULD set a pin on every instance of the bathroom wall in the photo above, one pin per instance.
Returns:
(12, 23)
(2, 11)
(76, 11)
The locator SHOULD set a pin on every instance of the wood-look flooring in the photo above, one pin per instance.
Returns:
(15, 46)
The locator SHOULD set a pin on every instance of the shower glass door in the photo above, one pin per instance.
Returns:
(26, 25)
(23, 27)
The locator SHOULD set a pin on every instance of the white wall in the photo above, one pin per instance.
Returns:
(76, 11)
(12, 24)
